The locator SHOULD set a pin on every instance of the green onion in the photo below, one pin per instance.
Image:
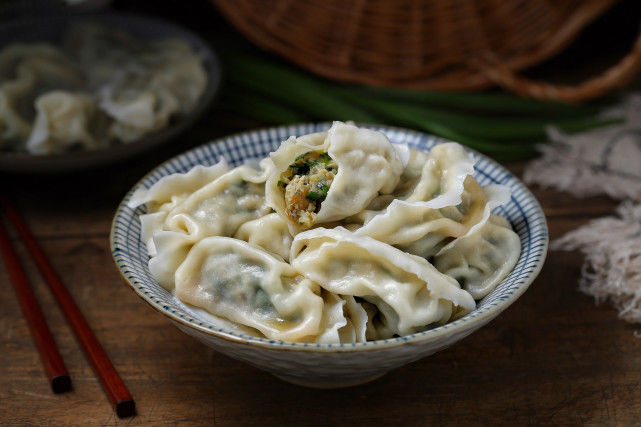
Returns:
(302, 92)
(274, 93)
(484, 127)
(313, 196)
(483, 102)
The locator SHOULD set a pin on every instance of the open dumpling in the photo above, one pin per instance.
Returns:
(326, 177)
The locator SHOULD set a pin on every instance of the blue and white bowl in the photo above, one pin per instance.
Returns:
(326, 365)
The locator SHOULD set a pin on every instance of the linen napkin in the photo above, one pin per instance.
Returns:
(603, 161)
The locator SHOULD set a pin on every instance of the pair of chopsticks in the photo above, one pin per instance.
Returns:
(59, 379)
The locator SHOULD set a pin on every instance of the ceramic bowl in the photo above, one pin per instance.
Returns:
(326, 365)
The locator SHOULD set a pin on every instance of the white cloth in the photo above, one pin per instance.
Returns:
(602, 161)
(612, 268)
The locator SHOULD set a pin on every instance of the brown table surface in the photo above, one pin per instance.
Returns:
(551, 357)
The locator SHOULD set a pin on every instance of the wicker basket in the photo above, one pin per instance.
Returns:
(437, 44)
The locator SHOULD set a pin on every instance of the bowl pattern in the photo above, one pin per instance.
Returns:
(327, 365)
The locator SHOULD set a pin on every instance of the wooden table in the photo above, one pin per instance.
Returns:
(552, 357)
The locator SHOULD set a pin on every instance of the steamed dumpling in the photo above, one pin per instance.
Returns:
(168, 190)
(137, 112)
(269, 232)
(217, 208)
(482, 258)
(430, 181)
(26, 72)
(434, 206)
(230, 278)
(223, 205)
(346, 264)
(329, 176)
(141, 84)
(65, 120)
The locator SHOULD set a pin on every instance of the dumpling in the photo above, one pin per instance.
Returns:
(269, 232)
(26, 72)
(482, 258)
(64, 120)
(429, 181)
(223, 205)
(13, 126)
(426, 236)
(168, 249)
(179, 70)
(442, 174)
(141, 84)
(343, 321)
(346, 264)
(440, 203)
(231, 279)
(168, 190)
(325, 177)
(137, 112)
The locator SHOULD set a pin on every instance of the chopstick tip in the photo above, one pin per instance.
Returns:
(61, 384)
(126, 408)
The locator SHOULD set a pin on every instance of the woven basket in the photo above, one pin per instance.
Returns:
(429, 44)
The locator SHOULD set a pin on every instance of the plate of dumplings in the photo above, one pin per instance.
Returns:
(81, 92)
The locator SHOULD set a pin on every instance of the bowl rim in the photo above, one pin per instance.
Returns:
(477, 317)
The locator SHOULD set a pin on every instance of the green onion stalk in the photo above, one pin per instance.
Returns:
(504, 126)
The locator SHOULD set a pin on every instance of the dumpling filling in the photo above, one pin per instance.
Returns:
(306, 183)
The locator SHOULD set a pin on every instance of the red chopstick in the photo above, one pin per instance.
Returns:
(51, 359)
(116, 390)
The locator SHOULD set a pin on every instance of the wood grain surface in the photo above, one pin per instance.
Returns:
(553, 357)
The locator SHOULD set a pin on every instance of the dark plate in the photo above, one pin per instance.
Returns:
(51, 30)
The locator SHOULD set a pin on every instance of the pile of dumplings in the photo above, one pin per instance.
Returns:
(394, 240)
(103, 87)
